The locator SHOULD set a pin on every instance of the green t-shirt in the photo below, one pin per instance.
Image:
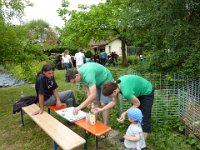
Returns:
(94, 73)
(133, 85)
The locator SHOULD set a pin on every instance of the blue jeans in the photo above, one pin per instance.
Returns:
(66, 65)
(101, 98)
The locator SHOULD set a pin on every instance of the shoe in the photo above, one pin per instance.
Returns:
(121, 139)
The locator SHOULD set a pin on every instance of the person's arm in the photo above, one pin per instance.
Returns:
(71, 61)
(58, 101)
(41, 103)
(87, 90)
(92, 95)
(134, 138)
(108, 106)
(136, 103)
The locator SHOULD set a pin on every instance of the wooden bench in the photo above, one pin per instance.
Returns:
(97, 130)
(61, 134)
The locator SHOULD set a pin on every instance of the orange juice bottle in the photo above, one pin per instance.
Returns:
(92, 115)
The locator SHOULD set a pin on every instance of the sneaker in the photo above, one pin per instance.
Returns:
(121, 139)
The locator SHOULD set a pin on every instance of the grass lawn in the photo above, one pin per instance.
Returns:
(16, 137)
(31, 137)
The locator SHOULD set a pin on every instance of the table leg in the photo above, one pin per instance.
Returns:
(49, 111)
(54, 145)
(22, 117)
(86, 138)
(96, 142)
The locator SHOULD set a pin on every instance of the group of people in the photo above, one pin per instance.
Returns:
(102, 90)
(67, 61)
(101, 58)
(104, 58)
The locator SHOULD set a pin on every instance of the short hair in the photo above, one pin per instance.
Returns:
(109, 87)
(70, 74)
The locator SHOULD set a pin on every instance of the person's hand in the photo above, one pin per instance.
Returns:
(125, 137)
(122, 118)
(40, 111)
(89, 106)
(75, 110)
(98, 110)
(58, 103)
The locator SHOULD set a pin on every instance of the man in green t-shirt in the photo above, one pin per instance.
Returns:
(137, 90)
(92, 76)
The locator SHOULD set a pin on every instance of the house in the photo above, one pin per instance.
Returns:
(108, 46)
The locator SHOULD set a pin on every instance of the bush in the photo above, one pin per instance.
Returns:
(88, 54)
(133, 59)
(25, 71)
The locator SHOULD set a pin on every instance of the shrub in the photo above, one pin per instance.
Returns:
(25, 71)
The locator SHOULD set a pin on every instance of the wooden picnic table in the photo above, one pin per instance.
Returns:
(97, 130)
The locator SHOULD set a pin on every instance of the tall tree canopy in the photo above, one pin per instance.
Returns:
(173, 33)
(169, 29)
(100, 22)
(11, 43)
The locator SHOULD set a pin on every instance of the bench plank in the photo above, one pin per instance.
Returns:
(62, 135)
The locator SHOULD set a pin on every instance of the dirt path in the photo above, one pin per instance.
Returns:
(113, 138)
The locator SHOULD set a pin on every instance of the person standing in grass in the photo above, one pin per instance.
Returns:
(66, 60)
(92, 76)
(138, 91)
(46, 89)
(134, 138)
(79, 57)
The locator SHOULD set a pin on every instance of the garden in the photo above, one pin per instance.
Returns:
(168, 131)
(166, 33)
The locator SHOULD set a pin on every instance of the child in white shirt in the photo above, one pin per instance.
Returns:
(134, 138)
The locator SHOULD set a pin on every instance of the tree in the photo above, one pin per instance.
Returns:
(13, 8)
(11, 44)
(41, 33)
(172, 33)
(100, 22)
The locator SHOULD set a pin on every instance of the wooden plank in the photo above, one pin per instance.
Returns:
(62, 135)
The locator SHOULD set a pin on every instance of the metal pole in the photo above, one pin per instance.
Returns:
(86, 136)
(54, 145)
(22, 117)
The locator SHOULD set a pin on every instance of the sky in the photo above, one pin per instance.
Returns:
(46, 10)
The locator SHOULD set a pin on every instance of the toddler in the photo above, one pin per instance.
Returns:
(134, 138)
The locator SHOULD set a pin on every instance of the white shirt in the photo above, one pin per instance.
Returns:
(66, 58)
(135, 129)
(79, 57)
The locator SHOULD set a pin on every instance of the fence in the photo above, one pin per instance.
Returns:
(176, 96)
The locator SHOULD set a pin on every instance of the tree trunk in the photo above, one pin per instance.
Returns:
(124, 58)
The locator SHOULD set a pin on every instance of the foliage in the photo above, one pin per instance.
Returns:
(88, 54)
(133, 59)
(172, 33)
(168, 29)
(11, 45)
(21, 44)
(10, 9)
(39, 32)
(84, 25)
(25, 71)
